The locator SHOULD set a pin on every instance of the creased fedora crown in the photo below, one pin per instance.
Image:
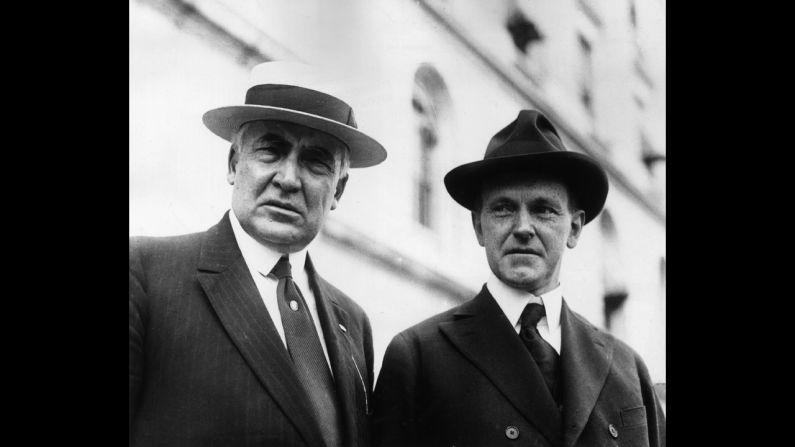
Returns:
(297, 93)
(531, 144)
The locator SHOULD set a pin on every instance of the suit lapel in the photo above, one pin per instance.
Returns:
(485, 336)
(348, 378)
(226, 279)
(586, 355)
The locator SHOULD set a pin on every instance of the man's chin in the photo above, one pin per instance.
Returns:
(524, 268)
(524, 279)
(280, 235)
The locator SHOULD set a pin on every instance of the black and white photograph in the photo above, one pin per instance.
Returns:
(397, 223)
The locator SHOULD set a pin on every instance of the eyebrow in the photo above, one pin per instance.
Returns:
(270, 136)
(321, 151)
(498, 199)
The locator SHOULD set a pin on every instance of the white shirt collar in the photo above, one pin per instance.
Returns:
(513, 301)
(259, 257)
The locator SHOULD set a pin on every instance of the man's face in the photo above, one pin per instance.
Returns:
(525, 225)
(286, 178)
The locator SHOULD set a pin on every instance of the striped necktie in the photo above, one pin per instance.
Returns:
(306, 352)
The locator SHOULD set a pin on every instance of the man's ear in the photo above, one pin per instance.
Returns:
(340, 189)
(232, 165)
(577, 222)
(478, 228)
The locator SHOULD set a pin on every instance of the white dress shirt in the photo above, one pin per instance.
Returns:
(260, 261)
(513, 301)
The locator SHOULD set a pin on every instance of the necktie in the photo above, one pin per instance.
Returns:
(306, 352)
(542, 352)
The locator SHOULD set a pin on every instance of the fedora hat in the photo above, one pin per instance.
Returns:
(297, 93)
(531, 145)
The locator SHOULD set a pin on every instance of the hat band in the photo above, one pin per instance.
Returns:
(303, 100)
(521, 147)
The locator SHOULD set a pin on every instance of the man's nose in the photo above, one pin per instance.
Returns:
(287, 174)
(523, 227)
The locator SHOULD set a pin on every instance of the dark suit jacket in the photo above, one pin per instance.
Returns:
(464, 378)
(207, 366)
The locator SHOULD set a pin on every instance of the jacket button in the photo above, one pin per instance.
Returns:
(511, 432)
(613, 431)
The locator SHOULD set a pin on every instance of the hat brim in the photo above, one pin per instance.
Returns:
(364, 150)
(584, 178)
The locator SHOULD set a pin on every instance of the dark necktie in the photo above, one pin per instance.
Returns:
(542, 352)
(306, 352)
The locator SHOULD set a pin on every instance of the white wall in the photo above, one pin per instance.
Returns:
(177, 166)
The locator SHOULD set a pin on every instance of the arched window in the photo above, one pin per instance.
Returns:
(523, 31)
(430, 101)
(528, 41)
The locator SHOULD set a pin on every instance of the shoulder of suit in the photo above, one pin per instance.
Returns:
(146, 248)
(629, 352)
(429, 327)
(619, 346)
(610, 337)
(144, 243)
(588, 323)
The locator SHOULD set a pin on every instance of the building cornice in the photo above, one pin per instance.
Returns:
(513, 79)
(350, 238)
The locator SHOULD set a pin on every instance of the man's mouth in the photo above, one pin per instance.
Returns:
(523, 251)
(283, 205)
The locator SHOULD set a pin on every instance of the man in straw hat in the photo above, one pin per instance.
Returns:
(235, 339)
(514, 365)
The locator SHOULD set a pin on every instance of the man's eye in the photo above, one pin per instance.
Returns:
(547, 211)
(319, 166)
(501, 210)
(266, 151)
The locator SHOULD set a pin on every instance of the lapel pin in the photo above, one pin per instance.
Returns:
(343, 328)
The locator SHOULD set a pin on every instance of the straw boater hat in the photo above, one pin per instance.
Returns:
(532, 145)
(297, 93)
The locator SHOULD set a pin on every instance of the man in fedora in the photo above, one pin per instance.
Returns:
(235, 339)
(515, 365)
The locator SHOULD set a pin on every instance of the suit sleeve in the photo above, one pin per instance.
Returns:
(395, 397)
(655, 418)
(136, 331)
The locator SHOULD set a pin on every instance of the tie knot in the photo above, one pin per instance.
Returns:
(282, 268)
(532, 314)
